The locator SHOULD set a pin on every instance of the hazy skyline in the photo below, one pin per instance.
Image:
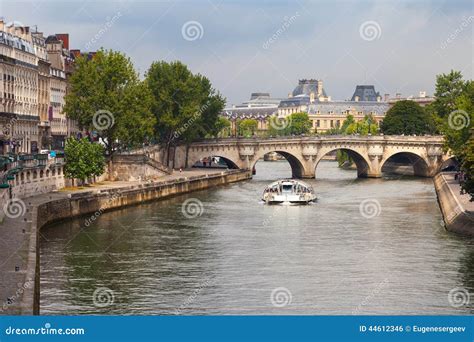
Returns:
(266, 46)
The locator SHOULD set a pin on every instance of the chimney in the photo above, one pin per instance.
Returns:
(356, 98)
(311, 97)
(386, 97)
(398, 95)
(422, 93)
(64, 37)
(379, 98)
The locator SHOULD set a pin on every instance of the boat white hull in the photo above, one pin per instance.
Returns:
(288, 199)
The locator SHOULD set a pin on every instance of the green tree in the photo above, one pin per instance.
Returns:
(293, 124)
(467, 165)
(448, 88)
(299, 124)
(186, 106)
(407, 117)
(362, 127)
(83, 159)
(107, 96)
(347, 122)
(456, 126)
(247, 127)
(453, 110)
(222, 127)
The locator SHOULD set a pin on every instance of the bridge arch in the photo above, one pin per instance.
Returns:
(449, 164)
(298, 169)
(195, 162)
(417, 161)
(359, 158)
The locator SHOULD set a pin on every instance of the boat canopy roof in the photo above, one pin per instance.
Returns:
(288, 182)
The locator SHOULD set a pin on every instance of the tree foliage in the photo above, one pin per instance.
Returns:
(186, 106)
(83, 159)
(363, 127)
(454, 106)
(107, 96)
(222, 127)
(294, 124)
(247, 127)
(448, 88)
(407, 117)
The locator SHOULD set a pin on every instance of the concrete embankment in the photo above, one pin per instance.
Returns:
(458, 211)
(21, 284)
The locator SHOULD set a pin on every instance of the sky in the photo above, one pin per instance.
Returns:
(246, 46)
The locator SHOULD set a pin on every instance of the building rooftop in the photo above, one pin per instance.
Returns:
(365, 93)
(294, 101)
(249, 112)
(306, 87)
(338, 107)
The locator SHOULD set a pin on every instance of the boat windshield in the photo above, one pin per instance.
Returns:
(287, 187)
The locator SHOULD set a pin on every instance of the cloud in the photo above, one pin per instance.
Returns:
(323, 42)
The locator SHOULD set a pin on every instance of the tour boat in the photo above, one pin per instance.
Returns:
(288, 191)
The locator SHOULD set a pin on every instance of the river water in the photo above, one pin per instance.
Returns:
(368, 246)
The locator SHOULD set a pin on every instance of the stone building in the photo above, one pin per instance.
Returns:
(259, 107)
(422, 99)
(305, 93)
(33, 84)
(325, 116)
(310, 97)
(19, 117)
(57, 54)
(44, 89)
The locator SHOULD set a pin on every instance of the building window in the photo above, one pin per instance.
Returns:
(318, 124)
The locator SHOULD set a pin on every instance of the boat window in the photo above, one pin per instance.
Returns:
(287, 187)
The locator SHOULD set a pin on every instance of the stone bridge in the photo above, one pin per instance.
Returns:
(369, 153)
